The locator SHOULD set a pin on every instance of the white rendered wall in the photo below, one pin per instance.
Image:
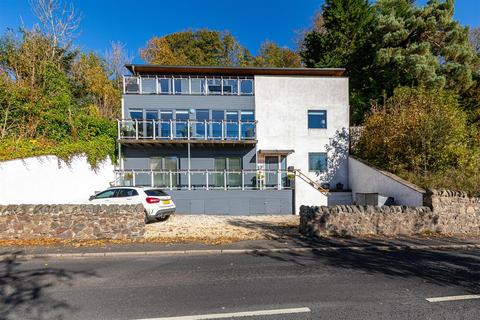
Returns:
(48, 180)
(365, 179)
(281, 108)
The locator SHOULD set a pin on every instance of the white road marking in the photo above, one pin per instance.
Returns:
(454, 298)
(236, 314)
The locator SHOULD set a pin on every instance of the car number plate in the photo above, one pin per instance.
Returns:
(165, 201)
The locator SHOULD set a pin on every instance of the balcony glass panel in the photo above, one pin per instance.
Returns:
(216, 179)
(149, 85)
(200, 126)
(142, 179)
(161, 179)
(180, 180)
(271, 179)
(198, 180)
(198, 85)
(232, 125)
(216, 125)
(230, 86)
(127, 129)
(214, 86)
(182, 86)
(246, 86)
(248, 125)
(181, 123)
(165, 126)
(250, 179)
(165, 85)
(151, 116)
(131, 85)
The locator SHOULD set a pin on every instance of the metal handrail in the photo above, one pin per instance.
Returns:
(222, 179)
(186, 129)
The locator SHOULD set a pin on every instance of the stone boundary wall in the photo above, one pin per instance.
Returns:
(78, 222)
(445, 212)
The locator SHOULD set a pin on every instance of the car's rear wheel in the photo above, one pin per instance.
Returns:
(147, 219)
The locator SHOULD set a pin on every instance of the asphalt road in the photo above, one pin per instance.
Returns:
(332, 285)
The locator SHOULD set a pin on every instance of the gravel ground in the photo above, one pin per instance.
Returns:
(221, 229)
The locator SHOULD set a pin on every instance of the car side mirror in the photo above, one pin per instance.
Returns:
(91, 198)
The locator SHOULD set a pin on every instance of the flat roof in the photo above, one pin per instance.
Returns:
(152, 69)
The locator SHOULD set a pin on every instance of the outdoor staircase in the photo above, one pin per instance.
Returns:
(311, 182)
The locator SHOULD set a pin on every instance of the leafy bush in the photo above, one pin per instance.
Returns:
(422, 135)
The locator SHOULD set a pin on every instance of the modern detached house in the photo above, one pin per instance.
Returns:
(236, 140)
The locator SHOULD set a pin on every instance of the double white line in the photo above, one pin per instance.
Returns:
(237, 314)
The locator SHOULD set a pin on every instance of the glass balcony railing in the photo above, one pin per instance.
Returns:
(187, 130)
(205, 179)
(189, 85)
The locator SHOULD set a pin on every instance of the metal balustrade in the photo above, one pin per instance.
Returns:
(187, 130)
(206, 179)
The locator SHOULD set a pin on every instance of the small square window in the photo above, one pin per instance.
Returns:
(317, 162)
(317, 119)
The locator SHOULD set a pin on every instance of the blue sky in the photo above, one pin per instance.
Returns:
(134, 22)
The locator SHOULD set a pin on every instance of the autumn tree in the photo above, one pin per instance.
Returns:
(271, 55)
(91, 73)
(196, 48)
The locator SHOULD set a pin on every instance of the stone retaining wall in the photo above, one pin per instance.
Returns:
(79, 222)
(445, 212)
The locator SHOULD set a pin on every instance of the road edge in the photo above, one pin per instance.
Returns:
(189, 252)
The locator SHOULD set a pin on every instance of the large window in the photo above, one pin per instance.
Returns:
(194, 84)
(317, 162)
(317, 119)
(246, 86)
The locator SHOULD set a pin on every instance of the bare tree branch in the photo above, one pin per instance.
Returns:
(58, 20)
(116, 58)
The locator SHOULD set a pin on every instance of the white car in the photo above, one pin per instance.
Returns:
(158, 205)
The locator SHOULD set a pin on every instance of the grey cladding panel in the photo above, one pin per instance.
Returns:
(185, 102)
(232, 202)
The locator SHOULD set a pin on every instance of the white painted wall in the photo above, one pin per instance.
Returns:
(49, 180)
(365, 179)
(281, 106)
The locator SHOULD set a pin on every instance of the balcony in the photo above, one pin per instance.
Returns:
(189, 85)
(206, 179)
(186, 131)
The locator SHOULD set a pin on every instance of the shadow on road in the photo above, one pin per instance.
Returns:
(22, 289)
(442, 267)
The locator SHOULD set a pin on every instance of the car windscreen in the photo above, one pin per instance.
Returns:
(155, 193)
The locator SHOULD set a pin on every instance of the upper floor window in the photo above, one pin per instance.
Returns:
(317, 119)
(317, 162)
(246, 86)
(184, 84)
